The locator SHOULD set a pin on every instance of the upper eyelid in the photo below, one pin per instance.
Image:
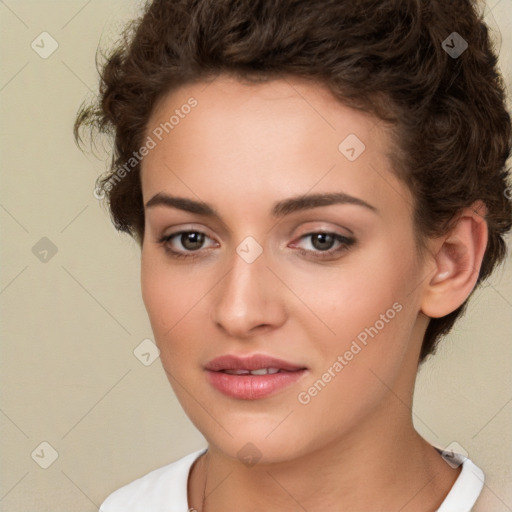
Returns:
(307, 233)
(186, 229)
(189, 227)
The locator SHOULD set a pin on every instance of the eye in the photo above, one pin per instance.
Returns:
(324, 245)
(183, 242)
(320, 245)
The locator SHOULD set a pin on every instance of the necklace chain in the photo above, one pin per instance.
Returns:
(205, 479)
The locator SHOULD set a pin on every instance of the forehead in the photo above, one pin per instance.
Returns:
(259, 109)
(288, 134)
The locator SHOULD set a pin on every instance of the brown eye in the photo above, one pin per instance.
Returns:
(323, 245)
(186, 244)
(192, 240)
(322, 241)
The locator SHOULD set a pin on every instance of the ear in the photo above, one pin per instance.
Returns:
(456, 259)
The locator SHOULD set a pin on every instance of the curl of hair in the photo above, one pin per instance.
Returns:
(451, 128)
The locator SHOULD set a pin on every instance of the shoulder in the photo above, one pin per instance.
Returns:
(157, 491)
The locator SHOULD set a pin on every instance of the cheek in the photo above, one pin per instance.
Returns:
(352, 296)
(364, 312)
(157, 295)
(166, 293)
(176, 300)
(366, 354)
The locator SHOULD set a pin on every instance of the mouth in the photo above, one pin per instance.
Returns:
(254, 377)
(261, 371)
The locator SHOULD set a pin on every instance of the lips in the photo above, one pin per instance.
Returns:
(254, 377)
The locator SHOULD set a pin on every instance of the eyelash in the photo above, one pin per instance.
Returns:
(346, 244)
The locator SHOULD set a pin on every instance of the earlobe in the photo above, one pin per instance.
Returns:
(457, 260)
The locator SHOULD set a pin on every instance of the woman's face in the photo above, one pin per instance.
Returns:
(298, 256)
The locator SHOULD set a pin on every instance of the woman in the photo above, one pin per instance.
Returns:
(317, 188)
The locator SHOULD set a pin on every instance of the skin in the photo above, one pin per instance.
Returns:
(353, 446)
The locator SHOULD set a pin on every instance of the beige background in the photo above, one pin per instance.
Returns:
(69, 325)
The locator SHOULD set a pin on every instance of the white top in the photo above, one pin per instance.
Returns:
(165, 489)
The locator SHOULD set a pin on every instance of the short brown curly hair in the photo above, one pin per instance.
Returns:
(387, 57)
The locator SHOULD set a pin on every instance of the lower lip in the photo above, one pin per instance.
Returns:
(252, 387)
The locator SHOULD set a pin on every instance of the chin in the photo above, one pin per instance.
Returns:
(251, 450)
(255, 440)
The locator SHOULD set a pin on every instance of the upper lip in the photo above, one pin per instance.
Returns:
(254, 362)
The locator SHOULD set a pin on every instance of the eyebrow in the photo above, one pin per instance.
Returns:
(280, 209)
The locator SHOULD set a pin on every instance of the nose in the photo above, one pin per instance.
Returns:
(249, 300)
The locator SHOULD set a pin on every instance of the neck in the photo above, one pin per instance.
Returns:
(380, 466)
